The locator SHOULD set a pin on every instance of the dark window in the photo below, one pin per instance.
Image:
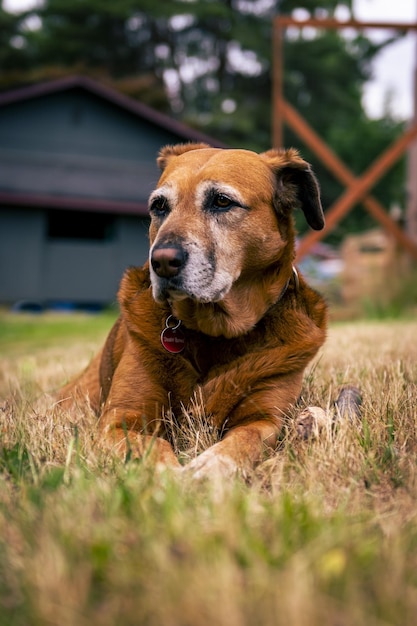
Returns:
(80, 225)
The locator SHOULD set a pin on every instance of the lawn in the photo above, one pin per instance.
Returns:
(322, 533)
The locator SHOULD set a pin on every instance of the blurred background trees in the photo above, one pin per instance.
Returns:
(208, 63)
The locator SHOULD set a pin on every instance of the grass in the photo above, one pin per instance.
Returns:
(325, 532)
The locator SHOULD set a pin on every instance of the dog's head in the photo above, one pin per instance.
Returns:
(220, 215)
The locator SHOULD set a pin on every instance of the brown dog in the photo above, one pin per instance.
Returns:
(218, 308)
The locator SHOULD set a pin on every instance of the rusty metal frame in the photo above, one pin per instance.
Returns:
(357, 188)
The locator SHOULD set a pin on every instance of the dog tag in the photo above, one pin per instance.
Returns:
(172, 337)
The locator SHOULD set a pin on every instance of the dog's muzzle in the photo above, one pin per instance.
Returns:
(181, 271)
(168, 260)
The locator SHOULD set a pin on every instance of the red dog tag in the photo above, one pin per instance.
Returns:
(172, 337)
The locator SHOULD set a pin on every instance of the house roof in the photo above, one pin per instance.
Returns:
(128, 201)
(113, 96)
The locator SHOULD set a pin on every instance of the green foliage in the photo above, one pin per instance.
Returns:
(43, 330)
(15, 462)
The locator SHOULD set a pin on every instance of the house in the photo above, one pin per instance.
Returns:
(77, 163)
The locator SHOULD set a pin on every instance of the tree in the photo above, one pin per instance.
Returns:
(14, 58)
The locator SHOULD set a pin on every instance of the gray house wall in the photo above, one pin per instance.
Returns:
(21, 245)
(77, 164)
(75, 144)
(36, 268)
(100, 264)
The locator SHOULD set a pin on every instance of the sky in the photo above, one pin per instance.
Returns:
(393, 70)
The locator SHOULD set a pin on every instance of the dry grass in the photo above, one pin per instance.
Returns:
(324, 532)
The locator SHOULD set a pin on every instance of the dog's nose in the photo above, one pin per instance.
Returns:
(168, 261)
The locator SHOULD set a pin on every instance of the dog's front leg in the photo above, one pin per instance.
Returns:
(128, 443)
(131, 423)
(242, 448)
(251, 412)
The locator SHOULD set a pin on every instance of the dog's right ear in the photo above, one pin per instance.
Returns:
(169, 152)
(296, 185)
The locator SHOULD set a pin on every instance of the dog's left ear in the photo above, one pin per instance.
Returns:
(296, 185)
(168, 152)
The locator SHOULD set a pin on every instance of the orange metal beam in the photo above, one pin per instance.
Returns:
(329, 22)
(277, 88)
(343, 173)
(359, 188)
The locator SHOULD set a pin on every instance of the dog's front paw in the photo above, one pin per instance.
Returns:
(211, 465)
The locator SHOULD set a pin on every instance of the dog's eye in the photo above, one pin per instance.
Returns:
(221, 201)
(159, 205)
(217, 201)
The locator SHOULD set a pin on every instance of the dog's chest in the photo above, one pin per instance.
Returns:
(209, 355)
